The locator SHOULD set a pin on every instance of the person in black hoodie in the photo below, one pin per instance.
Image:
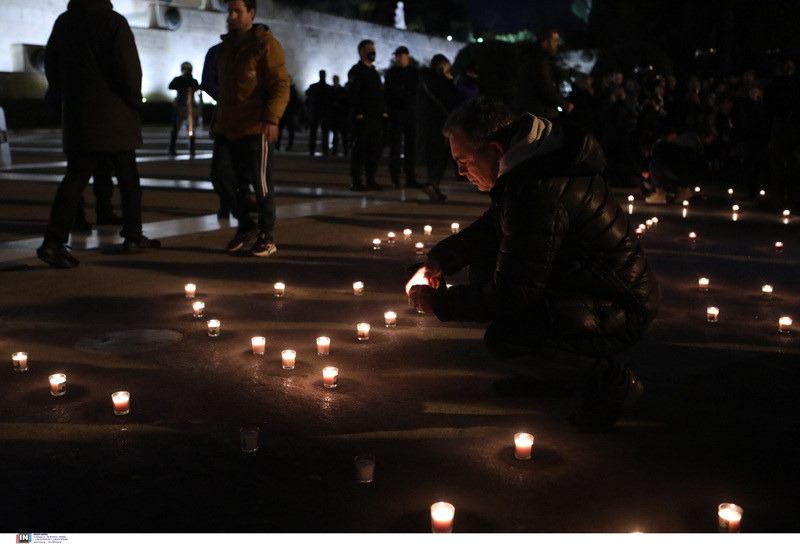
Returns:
(555, 265)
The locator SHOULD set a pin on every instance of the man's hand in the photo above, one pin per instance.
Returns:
(433, 272)
(271, 132)
(421, 298)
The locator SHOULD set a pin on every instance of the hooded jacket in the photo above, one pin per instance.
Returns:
(556, 235)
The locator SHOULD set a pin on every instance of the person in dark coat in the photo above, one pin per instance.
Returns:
(340, 123)
(184, 106)
(555, 265)
(93, 68)
(537, 85)
(289, 119)
(368, 111)
(318, 102)
(401, 91)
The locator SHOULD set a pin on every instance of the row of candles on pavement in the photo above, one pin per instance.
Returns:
(712, 312)
(419, 247)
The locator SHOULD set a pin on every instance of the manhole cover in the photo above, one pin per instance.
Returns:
(136, 341)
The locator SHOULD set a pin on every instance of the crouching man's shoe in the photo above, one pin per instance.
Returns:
(602, 408)
(131, 246)
(56, 255)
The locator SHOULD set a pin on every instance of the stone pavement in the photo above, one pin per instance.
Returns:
(717, 423)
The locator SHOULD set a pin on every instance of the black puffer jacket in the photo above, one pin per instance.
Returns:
(557, 235)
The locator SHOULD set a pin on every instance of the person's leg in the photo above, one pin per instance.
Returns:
(226, 183)
(254, 159)
(410, 148)
(395, 143)
(173, 135)
(69, 195)
(103, 188)
(130, 192)
(325, 136)
(359, 154)
(372, 151)
(312, 135)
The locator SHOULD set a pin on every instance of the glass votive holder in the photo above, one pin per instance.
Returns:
(122, 402)
(390, 319)
(406, 234)
(442, 514)
(376, 244)
(259, 344)
(248, 436)
(323, 345)
(730, 517)
(419, 247)
(454, 227)
(363, 331)
(358, 287)
(778, 247)
(427, 229)
(20, 361)
(365, 468)
(330, 377)
(693, 237)
(766, 291)
(288, 357)
(58, 384)
(214, 326)
(198, 309)
(391, 237)
(523, 443)
(280, 288)
(702, 284)
(785, 324)
(639, 232)
(190, 289)
(712, 314)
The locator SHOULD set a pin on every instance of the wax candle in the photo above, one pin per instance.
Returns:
(692, 237)
(365, 468)
(58, 384)
(407, 234)
(730, 517)
(259, 345)
(631, 198)
(390, 318)
(323, 345)
(778, 246)
(730, 191)
(190, 289)
(122, 402)
(655, 221)
(198, 309)
(391, 237)
(639, 232)
(766, 291)
(454, 227)
(762, 192)
(214, 326)
(280, 288)
(288, 357)
(20, 361)
(358, 287)
(330, 377)
(523, 442)
(643, 226)
(702, 284)
(712, 313)
(376, 244)
(442, 514)
(428, 230)
(697, 189)
(420, 248)
(786, 213)
(735, 207)
(785, 324)
(648, 224)
(363, 331)
(685, 203)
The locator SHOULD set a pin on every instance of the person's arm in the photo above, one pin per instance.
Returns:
(128, 68)
(276, 89)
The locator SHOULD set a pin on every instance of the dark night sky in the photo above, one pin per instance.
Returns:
(508, 16)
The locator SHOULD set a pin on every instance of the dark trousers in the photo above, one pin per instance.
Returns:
(318, 122)
(366, 149)
(341, 134)
(81, 167)
(403, 141)
(236, 163)
(102, 189)
(177, 121)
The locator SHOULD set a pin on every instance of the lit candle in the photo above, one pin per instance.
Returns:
(442, 514)
(786, 213)
(454, 227)
(730, 516)
(365, 468)
(523, 442)
(785, 324)
(685, 203)
(692, 237)
(655, 221)
(358, 287)
(428, 229)
(190, 290)
(20, 361)
(702, 284)
(712, 313)
(288, 357)
(766, 291)
(735, 207)
(390, 237)
(407, 234)
(730, 191)
(248, 436)
(390, 318)
(376, 244)
(630, 198)
(684, 212)
(363, 331)
(122, 402)
(649, 224)
(762, 192)
(259, 345)
(280, 288)
(213, 327)
(330, 377)
(58, 384)
(420, 248)
(323, 345)
(642, 226)
(639, 232)
(198, 309)
(779, 246)
(697, 189)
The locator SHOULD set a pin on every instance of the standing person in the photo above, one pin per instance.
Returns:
(289, 119)
(537, 85)
(437, 97)
(184, 107)
(340, 124)
(554, 263)
(253, 94)
(366, 101)
(318, 102)
(93, 68)
(401, 90)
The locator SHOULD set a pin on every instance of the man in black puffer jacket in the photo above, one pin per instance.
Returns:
(555, 265)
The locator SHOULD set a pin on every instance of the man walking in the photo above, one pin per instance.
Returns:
(253, 94)
(366, 99)
(92, 68)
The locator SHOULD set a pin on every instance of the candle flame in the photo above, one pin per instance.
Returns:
(417, 279)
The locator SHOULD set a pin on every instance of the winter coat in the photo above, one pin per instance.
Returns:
(365, 92)
(92, 68)
(556, 234)
(537, 86)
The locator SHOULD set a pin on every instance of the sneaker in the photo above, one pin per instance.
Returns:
(131, 247)
(656, 198)
(264, 246)
(601, 410)
(56, 255)
(241, 239)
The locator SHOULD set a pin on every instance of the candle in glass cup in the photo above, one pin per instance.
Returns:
(778, 246)
(523, 442)
(198, 309)
(702, 284)
(428, 230)
(730, 192)
(730, 517)
(20, 361)
(376, 244)
(735, 208)
(420, 248)
(766, 291)
(712, 314)
(631, 198)
(442, 514)
(58, 384)
(648, 224)
(288, 357)
(259, 344)
(330, 377)
(639, 232)
(122, 402)
(280, 288)
(407, 234)
(454, 227)
(785, 324)
(390, 318)
(214, 326)
(391, 237)
(363, 331)
(692, 237)
(655, 221)
(697, 189)
(358, 287)
(190, 289)
(323, 345)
